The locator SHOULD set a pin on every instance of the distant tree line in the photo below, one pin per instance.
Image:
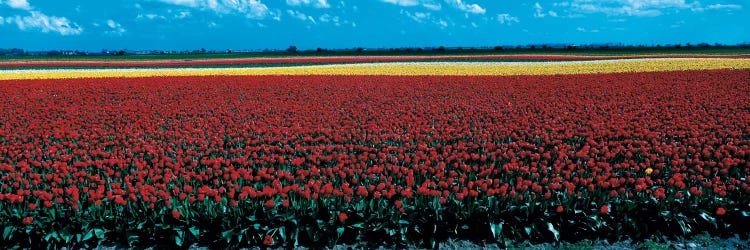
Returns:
(293, 49)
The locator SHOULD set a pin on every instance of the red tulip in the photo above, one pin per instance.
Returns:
(343, 217)
(604, 209)
(268, 240)
(269, 204)
(720, 211)
(27, 220)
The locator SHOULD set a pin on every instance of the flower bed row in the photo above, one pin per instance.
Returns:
(321, 160)
(331, 59)
(402, 68)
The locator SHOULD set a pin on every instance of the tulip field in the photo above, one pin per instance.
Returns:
(379, 151)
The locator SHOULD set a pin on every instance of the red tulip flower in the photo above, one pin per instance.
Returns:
(269, 204)
(268, 240)
(343, 217)
(27, 220)
(720, 211)
(604, 209)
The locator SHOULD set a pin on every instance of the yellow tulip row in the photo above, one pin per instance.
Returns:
(439, 68)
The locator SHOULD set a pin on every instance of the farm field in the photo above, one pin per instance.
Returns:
(388, 150)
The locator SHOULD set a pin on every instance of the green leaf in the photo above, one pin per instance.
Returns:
(132, 239)
(552, 229)
(357, 225)
(745, 213)
(282, 233)
(195, 231)
(51, 236)
(88, 235)
(66, 236)
(496, 229)
(685, 227)
(709, 218)
(8, 232)
(228, 235)
(99, 233)
(178, 240)
(403, 222)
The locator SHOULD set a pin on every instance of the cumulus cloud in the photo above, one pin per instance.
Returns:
(44, 23)
(428, 4)
(402, 2)
(419, 17)
(628, 7)
(581, 29)
(115, 28)
(297, 14)
(150, 16)
(442, 23)
(539, 11)
(326, 18)
(426, 17)
(315, 3)
(507, 19)
(724, 6)
(252, 9)
(469, 8)
(432, 6)
(18, 4)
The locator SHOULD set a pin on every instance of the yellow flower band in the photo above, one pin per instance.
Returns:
(405, 68)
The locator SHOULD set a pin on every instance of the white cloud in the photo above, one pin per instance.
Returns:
(297, 14)
(183, 14)
(724, 6)
(402, 2)
(428, 4)
(315, 3)
(189, 3)
(116, 28)
(507, 19)
(46, 24)
(326, 18)
(150, 16)
(426, 17)
(253, 9)
(539, 10)
(112, 24)
(432, 6)
(419, 17)
(470, 8)
(629, 7)
(18, 4)
(581, 29)
(442, 23)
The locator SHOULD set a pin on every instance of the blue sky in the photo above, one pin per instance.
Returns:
(275, 24)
